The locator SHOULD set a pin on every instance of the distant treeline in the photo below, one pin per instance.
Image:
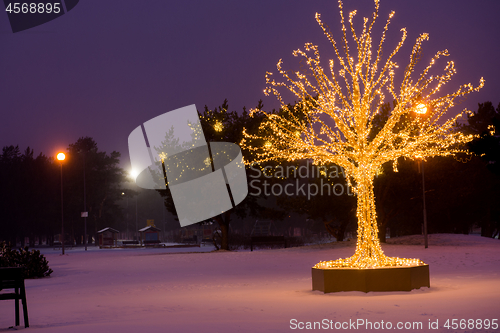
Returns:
(461, 193)
(30, 193)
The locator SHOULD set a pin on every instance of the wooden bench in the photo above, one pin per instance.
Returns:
(269, 240)
(12, 278)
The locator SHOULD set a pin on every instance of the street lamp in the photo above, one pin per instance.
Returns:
(127, 219)
(134, 174)
(421, 109)
(136, 227)
(61, 158)
(85, 213)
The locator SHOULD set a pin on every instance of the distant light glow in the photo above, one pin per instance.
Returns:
(61, 156)
(134, 174)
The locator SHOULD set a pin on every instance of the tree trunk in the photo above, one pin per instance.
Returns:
(331, 230)
(368, 250)
(486, 224)
(224, 243)
(341, 231)
(337, 232)
(223, 221)
(382, 235)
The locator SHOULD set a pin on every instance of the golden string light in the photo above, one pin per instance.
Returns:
(218, 126)
(334, 116)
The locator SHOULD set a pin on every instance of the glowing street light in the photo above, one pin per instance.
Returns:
(134, 174)
(421, 108)
(61, 157)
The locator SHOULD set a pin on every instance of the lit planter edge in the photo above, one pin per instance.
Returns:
(403, 278)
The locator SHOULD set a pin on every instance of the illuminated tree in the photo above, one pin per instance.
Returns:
(333, 119)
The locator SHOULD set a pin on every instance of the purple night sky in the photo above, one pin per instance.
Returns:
(105, 67)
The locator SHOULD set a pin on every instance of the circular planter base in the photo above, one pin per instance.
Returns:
(371, 279)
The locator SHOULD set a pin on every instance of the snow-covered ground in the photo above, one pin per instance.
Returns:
(168, 290)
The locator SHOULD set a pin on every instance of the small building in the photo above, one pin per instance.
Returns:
(108, 237)
(150, 235)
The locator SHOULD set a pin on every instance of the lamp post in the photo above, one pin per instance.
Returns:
(133, 174)
(61, 158)
(421, 109)
(84, 205)
(126, 219)
(136, 227)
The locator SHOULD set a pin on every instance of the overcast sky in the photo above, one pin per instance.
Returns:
(105, 67)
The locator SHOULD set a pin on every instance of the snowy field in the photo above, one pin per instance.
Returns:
(159, 290)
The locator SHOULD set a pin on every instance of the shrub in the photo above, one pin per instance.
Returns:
(34, 264)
